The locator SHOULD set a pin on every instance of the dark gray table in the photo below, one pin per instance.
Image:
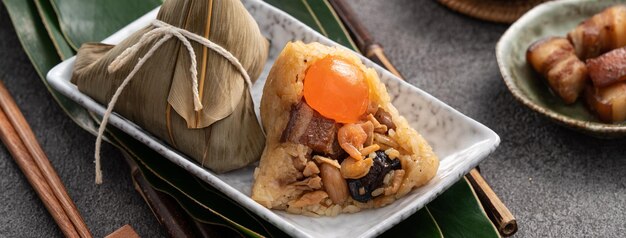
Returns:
(557, 182)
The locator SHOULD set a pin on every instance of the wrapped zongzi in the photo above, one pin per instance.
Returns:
(204, 111)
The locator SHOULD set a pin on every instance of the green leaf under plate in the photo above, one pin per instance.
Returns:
(93, 20)
(178, 182)
(32, 35)
(461, 215)
(199, 213)
(50, 21)
(420, 224)
(40, 50)
(319, 15)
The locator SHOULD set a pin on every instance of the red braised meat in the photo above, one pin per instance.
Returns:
(308, 127)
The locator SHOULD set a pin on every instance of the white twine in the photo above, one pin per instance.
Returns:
(165, 32)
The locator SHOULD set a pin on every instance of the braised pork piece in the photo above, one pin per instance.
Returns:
(558, 60)
(601, 33)
(554, 58)
(608, 68)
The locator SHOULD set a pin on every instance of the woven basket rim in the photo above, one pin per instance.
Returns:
(502, 11)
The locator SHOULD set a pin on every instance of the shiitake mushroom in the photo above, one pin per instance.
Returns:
(361, 189)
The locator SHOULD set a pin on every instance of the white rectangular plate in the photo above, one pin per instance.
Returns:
(460, 142)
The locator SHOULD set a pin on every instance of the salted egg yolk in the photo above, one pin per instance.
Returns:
(336, 89)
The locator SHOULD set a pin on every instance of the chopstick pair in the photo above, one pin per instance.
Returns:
(31, 159)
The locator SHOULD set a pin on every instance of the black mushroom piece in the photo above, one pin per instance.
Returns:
(384, 118)
(361, 189)
(308, 127)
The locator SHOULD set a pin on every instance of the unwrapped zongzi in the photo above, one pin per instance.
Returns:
(335, 143)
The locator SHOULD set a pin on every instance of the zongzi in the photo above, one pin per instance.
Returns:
(185, 79)
(335, 143)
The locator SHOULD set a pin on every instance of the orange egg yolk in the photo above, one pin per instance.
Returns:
(336, 89)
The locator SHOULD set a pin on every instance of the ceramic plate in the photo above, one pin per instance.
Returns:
(549, 19)
(460, 142)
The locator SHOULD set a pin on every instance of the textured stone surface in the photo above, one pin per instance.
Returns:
(557, 182)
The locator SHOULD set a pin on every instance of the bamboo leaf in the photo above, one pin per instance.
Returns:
(459, 214)
(32, 35)
(40, 50)
(319, 15)
(51, 24)
(420, 224)
(193, 208)
(85, 21)
(181, 183)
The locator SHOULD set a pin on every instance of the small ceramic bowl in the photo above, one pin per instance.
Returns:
(550, 19)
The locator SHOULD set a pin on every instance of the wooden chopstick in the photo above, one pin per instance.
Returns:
(26, 163)
(21, 141)
(369, 48)
(496, 210)
(125, 231)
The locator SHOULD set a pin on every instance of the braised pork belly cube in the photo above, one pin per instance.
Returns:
(600, 33)
(554, 58)
(608, 69)
(308, 127)
(609, 103)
